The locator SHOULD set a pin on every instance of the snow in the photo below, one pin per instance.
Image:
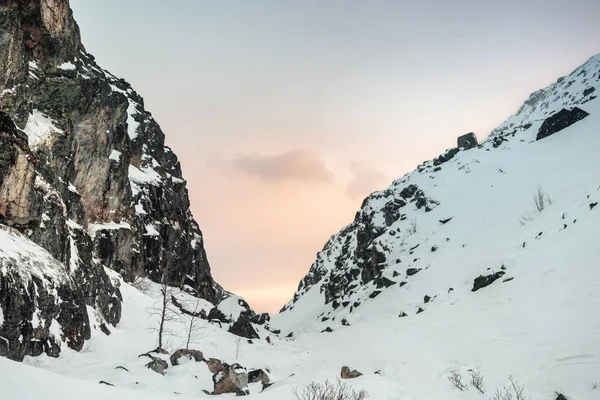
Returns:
(70, 223)
(541, 327)
(39, 129)
(144, 176)
(139, 209)
(151, 231)
(31, 260)
(111, 225)
(68, 66)
(115, 155)
(231, 308)
(72, 188)
(74, 257)
(132, 124)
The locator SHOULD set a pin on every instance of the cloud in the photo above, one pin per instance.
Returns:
(366, 179)
(299, 165)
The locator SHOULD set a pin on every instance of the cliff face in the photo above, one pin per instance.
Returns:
(85, 175)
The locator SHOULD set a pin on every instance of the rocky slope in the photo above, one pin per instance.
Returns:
(86, 177)
(423, 225)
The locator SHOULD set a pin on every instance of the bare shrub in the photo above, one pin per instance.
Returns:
(238, 348)
(456, 381)
(141, 284)
(193, 329)
(163, 310)
(504, 394)
(518, 389)
(328, 391)
(528, 217)
(594, 385)
(413, 227)
(513, 391)
(541, 200)
(477, 380)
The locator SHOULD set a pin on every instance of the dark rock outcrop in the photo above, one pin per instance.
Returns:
(559, 121)
(195, 355)
(235, 311)
(258, 375)
(213, 365)
(486, 280)
(467, 141)
(231, 379)
(84, 172)
(347, 373)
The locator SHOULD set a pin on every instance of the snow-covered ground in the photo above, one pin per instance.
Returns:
(542, 327)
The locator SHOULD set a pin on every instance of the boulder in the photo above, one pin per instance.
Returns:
(347, 373)
(235, 311)
(231, 379)
(467, 141)
(213, 365)
(258, 375)
(559, 121)
(195, 355)
(486, 280)
(157, 364)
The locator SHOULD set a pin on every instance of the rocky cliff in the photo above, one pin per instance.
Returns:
(86, 177)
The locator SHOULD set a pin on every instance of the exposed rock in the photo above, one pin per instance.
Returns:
(412, 271)
(258, 375)
(402, 315)
(420, 310)
(467, 141)
(327, 330)
(347, 373)
(87, 178)
(231, 379)
(445, 221)
(157, 364)
(447, 156)
(357, 256)
(195, 355)
(559, 121)
(159, 350)
(260, 319)
(592, 205)
(426, 299)
(213, 365)
(235, 311)
(483, 281)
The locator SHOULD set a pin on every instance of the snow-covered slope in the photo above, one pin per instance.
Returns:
(426, 238)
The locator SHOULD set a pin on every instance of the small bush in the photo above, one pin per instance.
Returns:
(541, 200)
(413, 228)
(477, 380)
(513, 391)
(594, 385)
(328, 391)
(456, 381)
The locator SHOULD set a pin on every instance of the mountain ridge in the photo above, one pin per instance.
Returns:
(363, 259)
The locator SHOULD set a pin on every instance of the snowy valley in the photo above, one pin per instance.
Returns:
(476, 276)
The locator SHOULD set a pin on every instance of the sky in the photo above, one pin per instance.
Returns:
(285, 114)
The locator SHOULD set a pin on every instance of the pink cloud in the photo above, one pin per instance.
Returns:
(298, 165)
